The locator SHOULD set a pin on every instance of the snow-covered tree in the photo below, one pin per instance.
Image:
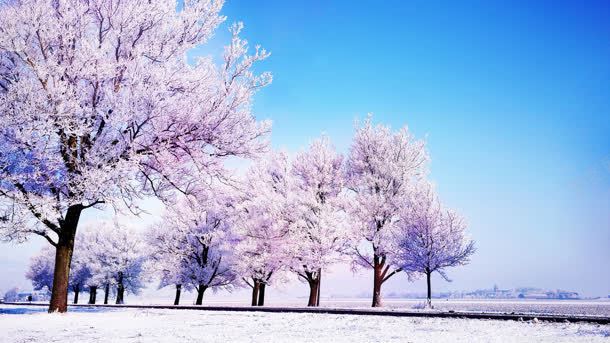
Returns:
(192, 245)
(163, 260)
(116, 256)
(320, 235)
(42, 265)
(80, 272)
(40, 270)
(12, 295)
(101, 277)
(380, 170)
(99, 104)
(266, 218)
(430, 237)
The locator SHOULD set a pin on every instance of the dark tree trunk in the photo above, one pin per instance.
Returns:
(429, 299)
(177, 298)
(377, 280)
(261, 294)
(313, 292)
(76, 291)
(63, 258)
(106, 293)
(120, 290)
(200, 290)
(92, 294)
(255, 288)
(314, 289)
(319, 285)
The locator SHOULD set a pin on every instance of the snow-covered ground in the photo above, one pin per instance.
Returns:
(599, 307)
(567, 307)
(30, 324)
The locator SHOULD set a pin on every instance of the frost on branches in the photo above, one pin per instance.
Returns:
(320, 234)
(115, 256)
(99, 105)
(192, 245)
(381, 169)
(266, 218)
(430, 237)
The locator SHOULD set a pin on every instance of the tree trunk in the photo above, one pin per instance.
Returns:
(429, 299)
(178, 290)
(314, 289)
(200, 290)
(313, 292)
(76, 291)
(92, 294)
(377, 281)
(319, 285)
(106, 293)
(261, 294)
(120, 291)
(255, 288)
(63, 258)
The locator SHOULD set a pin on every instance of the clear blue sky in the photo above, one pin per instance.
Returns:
(513, 97)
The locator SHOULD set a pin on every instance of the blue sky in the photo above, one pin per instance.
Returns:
(512, 97)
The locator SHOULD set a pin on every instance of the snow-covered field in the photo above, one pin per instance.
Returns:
(31, 324)
(600, 307)
(567, 307)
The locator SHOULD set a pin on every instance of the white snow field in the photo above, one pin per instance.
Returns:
(30, 324)
(561, 307)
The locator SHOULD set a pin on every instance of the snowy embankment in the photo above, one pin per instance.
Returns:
(29, 324)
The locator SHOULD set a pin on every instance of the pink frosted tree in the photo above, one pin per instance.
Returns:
(381, 168)
(192, 245)
(116, 257)
(430, 237)
(266, 217)
(164, 261)
(99, 105)
(320, 235)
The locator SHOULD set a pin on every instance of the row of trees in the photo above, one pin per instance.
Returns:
(109, 258)
(375, 209)
(102, 106)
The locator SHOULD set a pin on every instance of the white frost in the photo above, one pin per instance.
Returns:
(131, 325)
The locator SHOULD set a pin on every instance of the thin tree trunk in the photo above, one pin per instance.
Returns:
(200, 290)
(178, 290)
(261, 294)
(120, 291)
(319, 285)
(92, 294)
(76, 291)
(428, 279)
(377, 281)
(106, 293)
(63, 258)
(255, 288)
